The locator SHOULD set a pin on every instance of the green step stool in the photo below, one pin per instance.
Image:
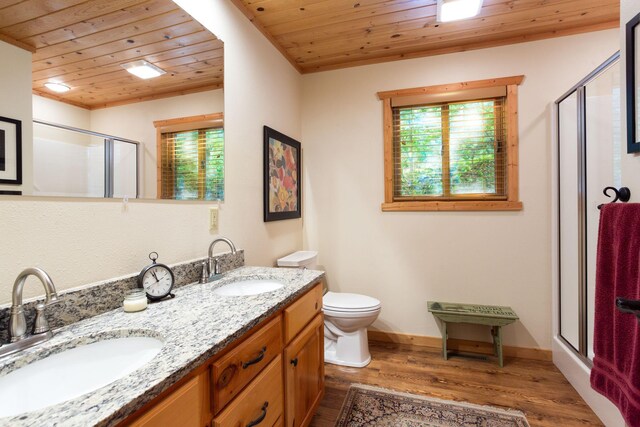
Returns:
(490, 315)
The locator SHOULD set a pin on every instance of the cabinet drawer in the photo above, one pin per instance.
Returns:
(298, 314)
(185, 407)
(260, 404)
(238, 367)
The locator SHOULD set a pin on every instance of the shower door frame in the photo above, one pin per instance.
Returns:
(583, 331)
(109, 165)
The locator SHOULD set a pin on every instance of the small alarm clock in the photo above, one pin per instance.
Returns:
(156, 279)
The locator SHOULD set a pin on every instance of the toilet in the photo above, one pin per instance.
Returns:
(346, 318)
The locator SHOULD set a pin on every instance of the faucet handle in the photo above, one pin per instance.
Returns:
(40, 325)
(204, 276)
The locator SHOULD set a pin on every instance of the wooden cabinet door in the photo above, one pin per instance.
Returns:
(185, 407)
(304, 374)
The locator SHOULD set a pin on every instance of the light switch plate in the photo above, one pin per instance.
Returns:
(213, 219)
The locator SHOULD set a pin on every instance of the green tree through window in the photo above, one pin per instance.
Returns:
(448, 151)
(193, 164)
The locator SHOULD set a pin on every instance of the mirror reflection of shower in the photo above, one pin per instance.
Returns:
(72, 162)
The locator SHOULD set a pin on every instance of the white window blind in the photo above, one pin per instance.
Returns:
(449, 151)
(192, 164)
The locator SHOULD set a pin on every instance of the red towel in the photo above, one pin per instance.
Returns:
(616, 365)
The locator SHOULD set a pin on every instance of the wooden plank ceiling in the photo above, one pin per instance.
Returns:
(83, 43)
(317, 35)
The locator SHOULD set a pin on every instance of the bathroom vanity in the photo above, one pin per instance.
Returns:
(225, 359)
(271, 376)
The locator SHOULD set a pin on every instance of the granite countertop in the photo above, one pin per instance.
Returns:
(194, 326)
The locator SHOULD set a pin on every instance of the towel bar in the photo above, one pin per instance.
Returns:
(623, 194)
(629, 306)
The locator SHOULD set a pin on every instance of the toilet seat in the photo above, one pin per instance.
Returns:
(346, 303)
(329, 313)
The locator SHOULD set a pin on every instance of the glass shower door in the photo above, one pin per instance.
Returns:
(588, 161)
(570, 275)
(603, 145)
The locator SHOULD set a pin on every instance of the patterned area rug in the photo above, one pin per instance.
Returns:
(373, 406)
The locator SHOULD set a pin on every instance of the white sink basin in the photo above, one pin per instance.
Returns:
(72, 373)
(248, 287)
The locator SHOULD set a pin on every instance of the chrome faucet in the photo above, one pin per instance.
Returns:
(18, 335)
(214, 266)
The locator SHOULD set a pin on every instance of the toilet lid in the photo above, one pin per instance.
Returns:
(349, 302)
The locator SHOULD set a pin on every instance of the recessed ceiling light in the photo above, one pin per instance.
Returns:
(454, 10)
(57, 87)
(143, 69)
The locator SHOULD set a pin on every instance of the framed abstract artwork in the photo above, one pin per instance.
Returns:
(10, 151)
(282, 176)
(632, 42)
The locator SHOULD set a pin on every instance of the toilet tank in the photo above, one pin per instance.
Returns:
(300, 259)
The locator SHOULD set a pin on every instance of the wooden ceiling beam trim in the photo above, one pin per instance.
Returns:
(124, 56)
(415, 34)
(17, 43)
(125, 32)
(49, 95)
(185, 32)
(251, 17)
(66, 16)
(169, 94)
(341, 64)
(524, 17)
(86, 30)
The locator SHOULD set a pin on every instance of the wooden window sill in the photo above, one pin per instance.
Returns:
(498, 205)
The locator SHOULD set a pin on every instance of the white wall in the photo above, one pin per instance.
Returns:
(81, 241)
(16, 105)
(407, 258)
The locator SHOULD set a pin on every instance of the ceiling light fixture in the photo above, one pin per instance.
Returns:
(454, 10)
(57, 87)
(143, 69)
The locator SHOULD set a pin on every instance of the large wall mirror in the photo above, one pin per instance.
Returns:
(127, 100)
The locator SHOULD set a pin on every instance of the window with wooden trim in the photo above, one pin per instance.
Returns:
(452, 147)
(191, 158)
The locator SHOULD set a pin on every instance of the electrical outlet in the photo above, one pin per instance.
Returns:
(213, 219)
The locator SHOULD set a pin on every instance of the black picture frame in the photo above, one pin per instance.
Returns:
(282, 193)
(10, 151)
(632, 46)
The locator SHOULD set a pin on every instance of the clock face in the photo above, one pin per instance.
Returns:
(157, 282)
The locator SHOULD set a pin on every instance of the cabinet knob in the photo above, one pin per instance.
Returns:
(294, 362)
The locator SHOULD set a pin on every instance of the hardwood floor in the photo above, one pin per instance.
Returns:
(535, 387)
